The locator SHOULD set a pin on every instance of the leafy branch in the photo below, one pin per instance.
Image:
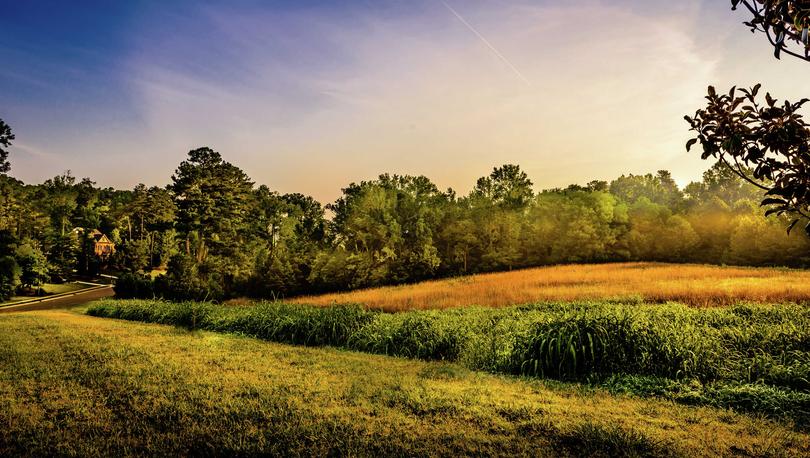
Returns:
(782, 22)
(766, 144)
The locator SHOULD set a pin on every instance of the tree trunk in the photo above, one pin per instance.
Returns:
(151, 250)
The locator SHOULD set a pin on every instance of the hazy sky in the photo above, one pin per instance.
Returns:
(307, 96)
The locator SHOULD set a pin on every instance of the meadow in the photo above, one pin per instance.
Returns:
(74, 385)
(614, 372)
(691, 284)
(748, 357)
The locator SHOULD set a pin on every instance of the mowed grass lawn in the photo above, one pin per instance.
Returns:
(50, 289)
(695, 285)
(72, 384)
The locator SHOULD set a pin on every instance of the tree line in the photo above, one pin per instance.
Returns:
(213, 234)
(216, 235)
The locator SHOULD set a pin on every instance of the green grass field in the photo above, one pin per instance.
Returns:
(751, 358)
(79, 385)
(50, 289)
(595, 377)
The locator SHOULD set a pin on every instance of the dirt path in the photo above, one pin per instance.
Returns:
(72, 300)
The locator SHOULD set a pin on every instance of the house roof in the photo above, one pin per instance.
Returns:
(101, 238)
(97, 235)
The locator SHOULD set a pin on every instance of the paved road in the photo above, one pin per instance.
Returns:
(62, 302)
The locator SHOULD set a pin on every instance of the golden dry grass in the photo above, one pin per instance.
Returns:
(695, 285)
(77, 385)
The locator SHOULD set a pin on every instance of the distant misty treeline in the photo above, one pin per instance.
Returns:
(221, 236)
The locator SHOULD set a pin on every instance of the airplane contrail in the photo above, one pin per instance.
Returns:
(487, 43)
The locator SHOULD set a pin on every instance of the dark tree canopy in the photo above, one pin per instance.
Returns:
(212, 198)
(5, 141)
(784, 22)
(659, 188)
(507, 186)
(770, 139)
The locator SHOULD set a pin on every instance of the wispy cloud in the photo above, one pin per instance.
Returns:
(31, 151)
(412, 94)
(310, 99)
(486, 42)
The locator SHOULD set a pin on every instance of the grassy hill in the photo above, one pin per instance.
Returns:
(614, 373)
(78, 385)
(696, 285)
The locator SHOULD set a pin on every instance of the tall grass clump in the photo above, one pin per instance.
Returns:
(274, 321)
(430, 335)
(287, 323)
(191, 315)
(582, 342)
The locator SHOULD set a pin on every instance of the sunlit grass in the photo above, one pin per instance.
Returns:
(695, 285)
(77, 385)
(752, 358)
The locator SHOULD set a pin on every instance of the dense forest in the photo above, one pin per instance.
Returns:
(213, 234)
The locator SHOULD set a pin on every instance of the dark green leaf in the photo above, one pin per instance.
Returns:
(790, 228)
(772, 201)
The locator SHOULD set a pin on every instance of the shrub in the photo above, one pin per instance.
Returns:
(9, 277)
(188, 281)
(134, 286)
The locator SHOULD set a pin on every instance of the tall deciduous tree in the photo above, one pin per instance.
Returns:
(33, 264)
(506, 186)
(386, 228)
(59, 198)
(212, 198)
(659, 188)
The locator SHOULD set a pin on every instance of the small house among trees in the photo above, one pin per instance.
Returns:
(102, 245)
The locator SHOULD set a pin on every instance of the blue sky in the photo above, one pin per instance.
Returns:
(308, 96)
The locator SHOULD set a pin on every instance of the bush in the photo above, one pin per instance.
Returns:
(9, 277)
(188, 281)
(134, 286)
